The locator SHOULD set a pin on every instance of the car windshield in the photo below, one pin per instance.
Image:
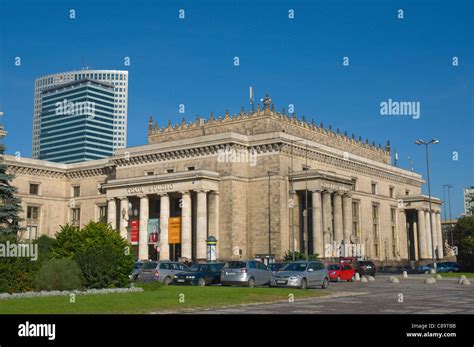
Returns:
(136, 266)
(150, 265)
(275, 266)
(295, 267)
(235, 265)
(333, 267)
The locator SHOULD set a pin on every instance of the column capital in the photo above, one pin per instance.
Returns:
(317, 190)
(338, 193)
(346, 195)
(185, 192)
(123, 198)
(143, 196)
(161, 194)
(110, 199)
(327, 191)
(202, 190)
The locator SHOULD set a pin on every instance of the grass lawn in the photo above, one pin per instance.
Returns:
(457, 274)
(165, 298)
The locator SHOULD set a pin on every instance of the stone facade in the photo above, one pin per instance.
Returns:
(260, 182)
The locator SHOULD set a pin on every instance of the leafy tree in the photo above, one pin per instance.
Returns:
(10, 206)
(103, 256)
(464, 233)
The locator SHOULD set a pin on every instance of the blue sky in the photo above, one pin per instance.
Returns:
(296, 61)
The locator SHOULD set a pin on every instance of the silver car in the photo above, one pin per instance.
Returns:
(302, 274)
(162, 271)
(249, 273)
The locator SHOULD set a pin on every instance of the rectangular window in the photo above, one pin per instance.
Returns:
(354, 183)
(391, 192)
(102, 213)
(191, 168)
(407, 192)
(169, 170)
(34, 189)
(374, 188)
(76, 191)
(355, 217)
(76, 215)
(32, 212)
(31, 232)
(393, 215)
(375, 218)
(149, 173)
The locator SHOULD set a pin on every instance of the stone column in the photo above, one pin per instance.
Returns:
(318, 246)
(429, 249)
(439, 231)
(143, 229)
(112, 213)
(327, 220)
(201, 221)
(214, 218)
(347, 217)
(124, 221)
(422, 254)
(338, 221)
(164, 218)
(434, 233)
(186, 241)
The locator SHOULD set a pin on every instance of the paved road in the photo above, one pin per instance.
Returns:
(377, 297)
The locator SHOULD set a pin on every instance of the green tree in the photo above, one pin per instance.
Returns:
(103, 256)
(464, 233)
(10, 206)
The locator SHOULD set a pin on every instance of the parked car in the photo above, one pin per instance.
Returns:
(249, 273)
(450, 266)
(302, 274)
(200, 275)
(366, 267)
(162, 271)
(440, 267)
(341, 272)
(275, 267)
(136, 270)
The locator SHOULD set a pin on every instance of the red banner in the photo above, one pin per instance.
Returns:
(134, 235)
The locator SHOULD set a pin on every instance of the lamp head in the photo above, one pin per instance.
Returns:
(419, 142)
(434, 141)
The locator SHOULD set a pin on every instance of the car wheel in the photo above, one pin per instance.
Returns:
(325, 283)
(338, 279)
(251, 283)
(304, 284)
(167, 281)
(201, 282)
(352, 279)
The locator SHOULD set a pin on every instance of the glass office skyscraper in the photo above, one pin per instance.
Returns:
(117, 78)
(77, 121)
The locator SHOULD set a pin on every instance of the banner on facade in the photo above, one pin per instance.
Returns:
(134, 224)
(174, 230)
(153, 231)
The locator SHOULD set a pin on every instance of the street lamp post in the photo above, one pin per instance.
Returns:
(448, 224)
(434, 142)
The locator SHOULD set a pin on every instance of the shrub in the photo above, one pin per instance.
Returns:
(101, 253)
(299, 256)
(59, 274)
(17, 274)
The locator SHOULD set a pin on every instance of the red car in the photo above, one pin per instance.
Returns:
(341, 272)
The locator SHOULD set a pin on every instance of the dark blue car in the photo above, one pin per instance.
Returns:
(200, 275)
(440, 267)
